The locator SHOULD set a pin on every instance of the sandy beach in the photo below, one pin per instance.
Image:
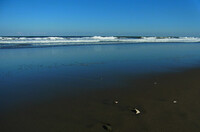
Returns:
(99, 66)
(168, 102)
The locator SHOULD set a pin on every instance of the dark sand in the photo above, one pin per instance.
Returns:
(88, 112)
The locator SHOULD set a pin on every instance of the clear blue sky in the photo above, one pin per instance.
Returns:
(100, 17)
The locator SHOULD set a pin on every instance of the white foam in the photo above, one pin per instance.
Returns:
(104, 38)
(91, 40)
(55, 38)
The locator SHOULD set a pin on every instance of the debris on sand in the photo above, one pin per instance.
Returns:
(136, 111)
(174, 101)
(107, 127)
(116, 102)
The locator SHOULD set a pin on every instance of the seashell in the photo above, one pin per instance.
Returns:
(116, 102)
(136, 111)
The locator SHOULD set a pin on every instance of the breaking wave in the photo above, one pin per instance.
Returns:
(6, 42)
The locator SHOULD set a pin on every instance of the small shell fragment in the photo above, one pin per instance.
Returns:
(174, 101)
(116, 102)
(136, 111)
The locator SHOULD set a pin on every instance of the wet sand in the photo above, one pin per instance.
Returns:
(168, 103)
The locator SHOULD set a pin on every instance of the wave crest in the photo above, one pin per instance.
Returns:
(43, 41)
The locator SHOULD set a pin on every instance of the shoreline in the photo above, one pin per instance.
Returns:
(154, 96)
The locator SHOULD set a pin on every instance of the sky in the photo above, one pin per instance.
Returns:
(100, 17)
